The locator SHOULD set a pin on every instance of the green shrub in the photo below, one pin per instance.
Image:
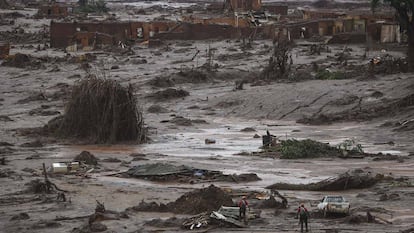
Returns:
(294, 149)
(330, 75)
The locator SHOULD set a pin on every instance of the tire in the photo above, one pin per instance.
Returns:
(325, 212)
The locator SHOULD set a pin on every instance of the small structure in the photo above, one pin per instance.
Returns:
(54, 10)
(4, 49)
(384, 32)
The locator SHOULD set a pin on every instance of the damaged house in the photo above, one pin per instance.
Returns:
(343, 27)
(90, 35)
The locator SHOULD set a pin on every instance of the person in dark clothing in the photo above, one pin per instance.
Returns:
(243, 204)
(303, 215)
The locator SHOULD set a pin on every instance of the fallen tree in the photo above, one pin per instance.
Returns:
(101, 111)
(355, 179)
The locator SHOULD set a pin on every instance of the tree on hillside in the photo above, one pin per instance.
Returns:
(405, 15)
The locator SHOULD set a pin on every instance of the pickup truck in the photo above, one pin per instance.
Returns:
(334, 204)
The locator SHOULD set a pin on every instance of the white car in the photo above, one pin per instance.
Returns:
(334, 204)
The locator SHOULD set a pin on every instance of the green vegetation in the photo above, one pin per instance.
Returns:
(294, 149)
(302, 149)
(330, 75)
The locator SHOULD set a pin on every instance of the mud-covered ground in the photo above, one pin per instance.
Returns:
(370, 111)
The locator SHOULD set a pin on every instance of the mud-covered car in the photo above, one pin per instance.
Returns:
(334, 204)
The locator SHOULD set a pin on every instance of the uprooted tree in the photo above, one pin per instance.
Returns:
(102, 111)
(405, 15)
(280, 62)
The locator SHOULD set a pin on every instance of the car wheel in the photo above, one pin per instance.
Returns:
(325, 212)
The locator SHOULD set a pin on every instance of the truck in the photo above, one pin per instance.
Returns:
(334, 204)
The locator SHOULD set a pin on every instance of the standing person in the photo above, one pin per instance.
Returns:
(243, 204)
(303, 217)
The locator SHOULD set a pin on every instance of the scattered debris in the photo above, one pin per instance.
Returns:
(157, 109)
(38, 96)
(163, 172)
(37, 186)
(46, 224)
(387, 64)
(36, 143)
(209, 141)
(5, 144)
(169, 222)
(168, 94)
(179, 120)
(20, 216)
(369, 218)
(138, 156)
(196, 222)
(4, 173)
(111, 160)
(248, 129)
(5, 118)
(20, 60)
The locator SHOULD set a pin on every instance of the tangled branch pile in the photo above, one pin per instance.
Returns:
(101, 110)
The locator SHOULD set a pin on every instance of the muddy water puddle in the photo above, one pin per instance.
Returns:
(189, 148)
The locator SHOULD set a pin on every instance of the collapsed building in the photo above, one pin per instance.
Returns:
(344, 27)
(96, 34)
(247, 19)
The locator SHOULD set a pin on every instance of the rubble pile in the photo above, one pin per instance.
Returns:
(164, 172)
(201, 200)
(194, 202)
